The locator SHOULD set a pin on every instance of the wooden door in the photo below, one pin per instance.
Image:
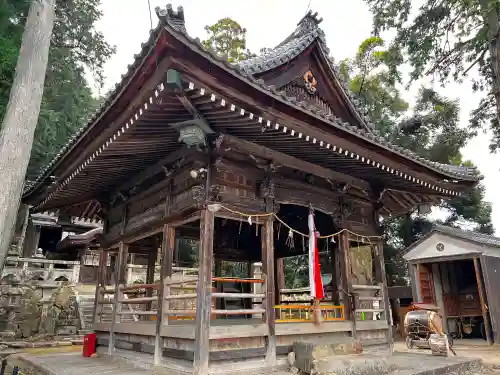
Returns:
(426, 284)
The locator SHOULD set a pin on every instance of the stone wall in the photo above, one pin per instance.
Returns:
(34, 311)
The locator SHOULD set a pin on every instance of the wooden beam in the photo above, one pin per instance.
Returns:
(483, 299)
(276, 157)
(399, 201)
(92, 144)
(158, 167)
(204, 294)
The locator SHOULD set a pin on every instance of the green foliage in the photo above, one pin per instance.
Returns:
(440, 139)
(67, 100)
(227, 38)
(448, 39)
(187, 252)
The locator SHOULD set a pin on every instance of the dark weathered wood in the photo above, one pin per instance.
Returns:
(21, 116)
(280, 278)
(150, 274)
(101, 281)
(158, 167)
(482, 300)
(376, 197)
(120, 275)
(346, 284)
(490, 266)
(204, 293)
(269, 285)
(166, 263)
(223, 80)
(335, 264)
(149, 227)
(188, 355)
(290, 162)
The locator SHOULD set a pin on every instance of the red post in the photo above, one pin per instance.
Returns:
(89, 344)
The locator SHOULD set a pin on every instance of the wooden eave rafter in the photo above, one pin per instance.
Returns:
(245, 93)
(220, 78)
(293, 127)
(128, 95)
(275, 157)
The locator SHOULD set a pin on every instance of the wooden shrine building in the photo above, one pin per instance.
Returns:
(189, 146)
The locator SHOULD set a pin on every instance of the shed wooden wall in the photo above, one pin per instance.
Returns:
(491, 273)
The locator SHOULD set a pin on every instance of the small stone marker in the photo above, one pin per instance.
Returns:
(307, 354)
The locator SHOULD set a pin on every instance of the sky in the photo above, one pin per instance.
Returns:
(126, 24)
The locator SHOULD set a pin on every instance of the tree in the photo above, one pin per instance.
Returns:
(372, 76)
(67, 101)
(227, 38)
(448, 39)
(23, 107)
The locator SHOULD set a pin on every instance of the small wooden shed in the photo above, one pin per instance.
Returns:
(459, 271)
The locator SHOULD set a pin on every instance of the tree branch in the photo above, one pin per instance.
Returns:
(481, 56)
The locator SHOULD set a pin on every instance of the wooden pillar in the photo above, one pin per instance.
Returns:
(219, 302)
(150, 274)
(269, 287)
(100, 283)
(204, 293)
(379, 254)
(345, 280)
(336, 272)
(482, 299)
(166, 262)
(120, 275)
(280, 278)
(375, 196)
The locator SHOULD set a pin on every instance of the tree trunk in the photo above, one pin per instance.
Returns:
(18, 128)
(490, 17)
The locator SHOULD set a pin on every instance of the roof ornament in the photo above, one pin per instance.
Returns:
(310, 21)
(169, 16)
(310, 82)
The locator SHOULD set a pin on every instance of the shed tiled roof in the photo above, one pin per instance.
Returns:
(297, 42)
(481, 238)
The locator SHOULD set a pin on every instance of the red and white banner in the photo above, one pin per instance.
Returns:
(315, 280)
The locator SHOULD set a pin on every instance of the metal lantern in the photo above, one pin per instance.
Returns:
(193, 132)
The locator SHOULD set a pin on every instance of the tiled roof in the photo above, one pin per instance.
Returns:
(174, 22)
(306, 33)
(483, 239)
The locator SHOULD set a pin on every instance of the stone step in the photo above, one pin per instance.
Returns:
(352, 364)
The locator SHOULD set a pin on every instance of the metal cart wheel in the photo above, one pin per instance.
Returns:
(409, 342)
(450, 340)
(483, 331)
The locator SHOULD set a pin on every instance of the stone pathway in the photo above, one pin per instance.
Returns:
(421, 363)
(72, 364)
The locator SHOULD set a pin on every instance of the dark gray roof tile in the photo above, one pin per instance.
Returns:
(305, 34)
(481, 238)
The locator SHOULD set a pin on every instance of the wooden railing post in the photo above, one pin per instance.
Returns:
(120, 278)
(204, 294)
(101, 281)
(167, 253)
